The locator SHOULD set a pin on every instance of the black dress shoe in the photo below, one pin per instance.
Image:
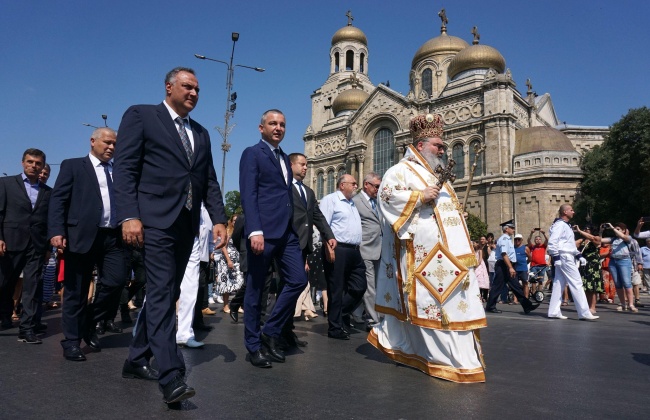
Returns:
(29, 337)
(177, 390)
(272, 347)
(493, 310)
(93, 342)
(202, 327)
(74, 354)
(292, 340)
(259, 359)
(112, 328)
(531, 308)
(339, 335)
(131, 371)
(99, 328)
(234, 314)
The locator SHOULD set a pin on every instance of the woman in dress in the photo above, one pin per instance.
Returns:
(592, 281)
(229, 277)
(481, 272)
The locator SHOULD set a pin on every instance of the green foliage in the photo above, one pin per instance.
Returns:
(616, 184)
(476, 226)
(233, 203)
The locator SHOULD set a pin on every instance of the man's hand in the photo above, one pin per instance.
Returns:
(3, 248)
(306, 267)
(257, 244)
(332, 243)
(512, 272)
(429, 194)
(329, 254)
(59, 242)
(219, 232)
(133, 233)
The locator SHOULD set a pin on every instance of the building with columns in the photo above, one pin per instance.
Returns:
(527, 162)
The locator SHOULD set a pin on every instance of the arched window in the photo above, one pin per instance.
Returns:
(362, 60)
(336, 62)
(341, 173)
(458, 155)
(427, 81)
(472, 155)
(331, 182)
(349, 60)
(383, 151)
(320, 185)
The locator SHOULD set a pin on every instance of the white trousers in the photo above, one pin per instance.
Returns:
(187, 299)
(566, 273)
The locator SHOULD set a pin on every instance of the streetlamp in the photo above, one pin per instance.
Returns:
(230, 100)
(104, 117)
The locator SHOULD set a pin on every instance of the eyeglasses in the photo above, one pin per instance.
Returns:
(374, 185)
(440, 146)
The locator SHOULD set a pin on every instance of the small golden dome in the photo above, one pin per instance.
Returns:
(476, 57)
(538, 139)
(349, 33)
(349, 100)
(438, 45)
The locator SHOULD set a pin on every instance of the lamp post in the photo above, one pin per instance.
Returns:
(104, 117)
(230, 100)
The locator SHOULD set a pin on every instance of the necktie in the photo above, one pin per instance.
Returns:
(277, 153)
(302, 193)
(373, 203)
(188, 152)
(109, 184)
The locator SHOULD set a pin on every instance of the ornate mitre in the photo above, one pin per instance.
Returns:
(424, 126)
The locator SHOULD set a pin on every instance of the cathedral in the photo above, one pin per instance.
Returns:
(523, 163)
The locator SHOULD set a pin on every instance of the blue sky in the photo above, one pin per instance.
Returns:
(68, 62)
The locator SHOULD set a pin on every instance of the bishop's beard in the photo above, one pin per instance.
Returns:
(432, 159)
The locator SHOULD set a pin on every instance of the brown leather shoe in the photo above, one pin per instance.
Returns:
(208, 311)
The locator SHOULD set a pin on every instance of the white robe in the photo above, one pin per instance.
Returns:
(426, 287)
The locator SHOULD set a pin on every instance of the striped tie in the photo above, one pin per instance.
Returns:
(188, 152)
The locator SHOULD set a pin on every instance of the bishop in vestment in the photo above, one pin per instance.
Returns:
(427, 291)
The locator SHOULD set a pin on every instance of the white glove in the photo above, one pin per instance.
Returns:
(582, 261)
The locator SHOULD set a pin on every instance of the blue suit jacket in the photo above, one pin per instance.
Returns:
(151, 171)
(267, 198)
(76, 204)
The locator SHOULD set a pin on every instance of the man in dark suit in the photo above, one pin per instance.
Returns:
(163, 171)
(306, 214)
(23, 243)
(82, 223)
(267, 200)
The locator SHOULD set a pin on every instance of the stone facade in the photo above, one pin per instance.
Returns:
(524, 173)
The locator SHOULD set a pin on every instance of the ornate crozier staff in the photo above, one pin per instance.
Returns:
(477, 152)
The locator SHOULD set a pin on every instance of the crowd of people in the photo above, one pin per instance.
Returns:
(139, 224)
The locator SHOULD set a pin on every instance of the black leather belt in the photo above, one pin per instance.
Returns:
(344, 245)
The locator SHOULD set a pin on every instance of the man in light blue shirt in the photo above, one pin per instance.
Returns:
(504, 272)
(344, 267)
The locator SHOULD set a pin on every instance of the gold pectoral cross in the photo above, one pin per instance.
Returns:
(445, 174)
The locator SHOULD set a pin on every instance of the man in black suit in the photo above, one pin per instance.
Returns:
(82, 223)
(306, 214)
(23, 242)
(163, 171)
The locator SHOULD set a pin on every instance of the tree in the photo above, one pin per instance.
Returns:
(233, 203)
(476, 226)
(616, 184)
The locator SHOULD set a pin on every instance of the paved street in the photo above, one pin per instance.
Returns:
(537, 368)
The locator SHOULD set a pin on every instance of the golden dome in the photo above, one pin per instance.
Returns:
(349, 100)
(476, 57)
(349, 33)
(440, 44)
(538, 139)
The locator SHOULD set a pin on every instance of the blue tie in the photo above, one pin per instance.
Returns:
(111, 195)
